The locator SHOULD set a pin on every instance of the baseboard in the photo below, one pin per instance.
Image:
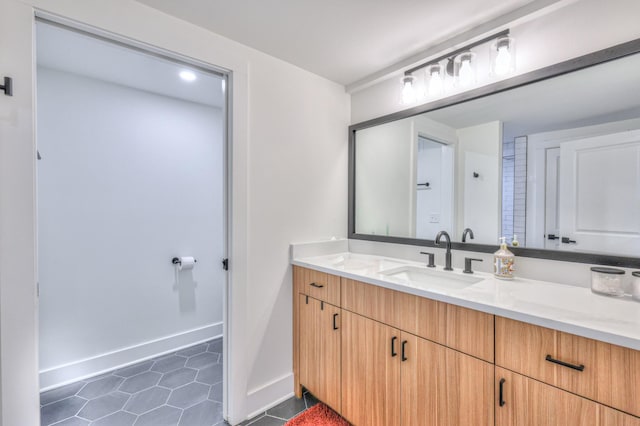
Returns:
(68, 373)
(261, 399)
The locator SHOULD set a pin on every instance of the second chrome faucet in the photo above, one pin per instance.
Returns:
(447, 258)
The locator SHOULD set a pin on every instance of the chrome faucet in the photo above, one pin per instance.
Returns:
(447, 258)
(464, 234)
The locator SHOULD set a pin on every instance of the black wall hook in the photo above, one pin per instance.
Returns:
(7, 88)
(476, 175)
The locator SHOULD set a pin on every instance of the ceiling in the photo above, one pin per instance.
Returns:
(71, 51)
(342, 40)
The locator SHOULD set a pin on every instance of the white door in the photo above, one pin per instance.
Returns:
(18, 328)
(601, 211)
(551, 195)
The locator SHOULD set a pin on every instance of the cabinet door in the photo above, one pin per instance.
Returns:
(320, 349)
(370, 372)
(309, 358)
(526, 402)
(610, 417)
(441, 386)
(329, 349)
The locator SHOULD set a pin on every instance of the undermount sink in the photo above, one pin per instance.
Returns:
(354, 262)
(429, 278)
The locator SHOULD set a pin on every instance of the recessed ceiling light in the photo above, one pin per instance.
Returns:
(187, 75)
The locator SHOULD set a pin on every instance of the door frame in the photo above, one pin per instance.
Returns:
(227, 78)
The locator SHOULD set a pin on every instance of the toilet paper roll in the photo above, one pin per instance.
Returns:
(186, 263)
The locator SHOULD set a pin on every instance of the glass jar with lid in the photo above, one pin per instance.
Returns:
(607, 281)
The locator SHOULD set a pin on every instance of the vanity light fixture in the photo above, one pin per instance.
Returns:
(436, 80)
(503, 55)
(187, 75)
(460, 66)
(408, 91)
(466, 69)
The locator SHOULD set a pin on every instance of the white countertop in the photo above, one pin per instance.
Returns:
(561, 307)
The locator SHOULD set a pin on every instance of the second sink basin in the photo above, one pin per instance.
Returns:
(430, 278)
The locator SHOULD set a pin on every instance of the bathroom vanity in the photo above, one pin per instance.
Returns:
(391, 342)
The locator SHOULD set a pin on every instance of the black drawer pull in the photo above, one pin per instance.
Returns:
(393, 346)
(404, 345)
(501, 398)
(317, 285)
(335, 327)
(565, 364)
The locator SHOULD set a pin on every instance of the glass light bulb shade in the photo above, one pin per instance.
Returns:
(466, 71)
(408, 91)
(503, 61)
(503, 56)
(436, 80)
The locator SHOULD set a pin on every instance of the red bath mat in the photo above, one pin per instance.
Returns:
(318, 415)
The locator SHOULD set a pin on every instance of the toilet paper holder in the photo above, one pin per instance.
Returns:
(177, 261)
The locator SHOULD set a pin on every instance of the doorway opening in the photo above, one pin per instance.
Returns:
(434, 187)
(132, 175)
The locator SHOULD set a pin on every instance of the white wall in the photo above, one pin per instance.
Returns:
(128, 180)
(288, 183)
(479, 198)
(576, 29)
(383, 179)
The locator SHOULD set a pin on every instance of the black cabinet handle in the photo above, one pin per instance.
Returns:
(335, 327)
(501, 397)
(316, 285)
(404, 344)
(393, 346)
(565, 364)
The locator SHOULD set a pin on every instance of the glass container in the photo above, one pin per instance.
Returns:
(607, 281)
(635, 285)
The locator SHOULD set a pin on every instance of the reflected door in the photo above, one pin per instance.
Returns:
(434, 188)
(600, 193)
(552, 198)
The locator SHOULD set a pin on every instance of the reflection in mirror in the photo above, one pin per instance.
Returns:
(555, 163)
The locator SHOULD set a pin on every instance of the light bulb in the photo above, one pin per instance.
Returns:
(436, 84)
(408, 93)
(187, 75)
(466, 72)
(503, 60)
(502, 56)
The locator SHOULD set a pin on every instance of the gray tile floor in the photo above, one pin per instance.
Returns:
(179, 389)
(278, 415)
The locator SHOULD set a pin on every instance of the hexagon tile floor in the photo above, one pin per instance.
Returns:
(179, 389)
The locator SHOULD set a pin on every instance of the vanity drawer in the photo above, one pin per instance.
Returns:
(319, 285)
(463, 329)
(599, 371)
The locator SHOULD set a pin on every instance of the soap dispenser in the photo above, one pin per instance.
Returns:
(503, 261)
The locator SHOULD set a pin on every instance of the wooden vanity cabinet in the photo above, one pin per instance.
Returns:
(441, 386)
(319, 285)
(391, 377)
(320, 349)
(524, 401)
(596, 370)
(466, 330)
(388, 358)
(527, 402)
(370, 372)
